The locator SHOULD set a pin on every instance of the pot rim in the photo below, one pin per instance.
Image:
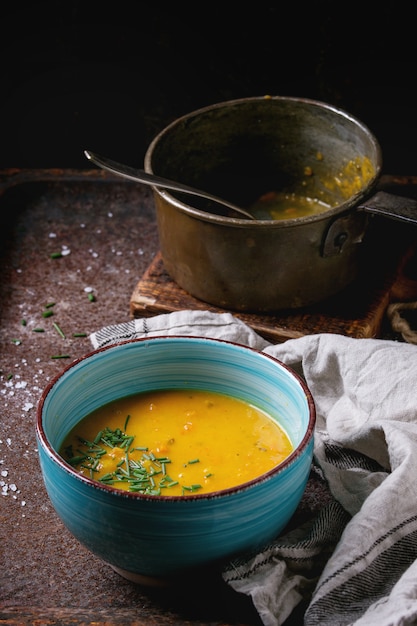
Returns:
(206, 216)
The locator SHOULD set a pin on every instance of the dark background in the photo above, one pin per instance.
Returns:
(109, 76)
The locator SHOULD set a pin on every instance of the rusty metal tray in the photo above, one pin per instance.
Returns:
(105, 229)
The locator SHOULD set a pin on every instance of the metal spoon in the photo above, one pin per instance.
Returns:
(150, 179)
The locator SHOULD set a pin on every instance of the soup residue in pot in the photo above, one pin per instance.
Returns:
(176, 442)
(317, 191)
(284, 206)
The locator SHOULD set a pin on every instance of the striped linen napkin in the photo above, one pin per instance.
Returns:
(354, 561)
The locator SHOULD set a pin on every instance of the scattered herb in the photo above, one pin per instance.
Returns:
(17, 342)
(56, 255)
(47, 313)
(48, 305)
(60, 356)
(38, 330)
(58, 330)
(79, 334)
(23, 322)
(91, 297)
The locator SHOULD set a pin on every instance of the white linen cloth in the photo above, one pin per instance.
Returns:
(354, 563)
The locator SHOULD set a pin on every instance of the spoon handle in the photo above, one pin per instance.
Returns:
(141, 176)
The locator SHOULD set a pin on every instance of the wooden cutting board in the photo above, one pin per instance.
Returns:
(358, 311)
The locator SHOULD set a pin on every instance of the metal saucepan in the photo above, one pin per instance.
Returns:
(252, 149)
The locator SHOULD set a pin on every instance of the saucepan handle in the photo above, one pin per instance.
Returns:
(391, 206)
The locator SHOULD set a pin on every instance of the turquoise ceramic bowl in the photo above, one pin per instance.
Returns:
(157, 537)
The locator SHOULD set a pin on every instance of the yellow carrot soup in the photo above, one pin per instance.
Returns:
(176, 442)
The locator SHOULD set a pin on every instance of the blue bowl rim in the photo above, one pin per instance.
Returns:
(60, 462)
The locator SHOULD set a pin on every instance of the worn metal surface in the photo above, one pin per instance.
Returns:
(66, 236)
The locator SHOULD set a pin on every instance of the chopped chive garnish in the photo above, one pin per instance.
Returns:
(76, 460)
(48, 305)
(58, 330)
(145, 475)
(106, 478)
(56, 255)
(193, 461)
(91, 297)
(47, 313)
(191, 488)
(17, 342)
(60, 356)
(23, 322)
(98, 437)
(38, 330)
(128, 442)
(79, 334)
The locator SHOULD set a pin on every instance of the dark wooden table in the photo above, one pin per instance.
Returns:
(67, 234)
